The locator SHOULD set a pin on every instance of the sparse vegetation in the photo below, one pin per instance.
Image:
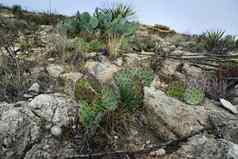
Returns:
(130, 83)
(17, 10)
(218, 42)
(110, 26)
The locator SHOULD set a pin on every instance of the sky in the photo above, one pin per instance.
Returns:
(184, 16)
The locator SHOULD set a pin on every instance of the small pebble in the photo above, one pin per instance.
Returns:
(56, 131)
(160, 152)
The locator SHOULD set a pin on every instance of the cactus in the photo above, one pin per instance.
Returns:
(193, 96)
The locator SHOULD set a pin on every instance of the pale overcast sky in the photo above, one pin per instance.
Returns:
(187, 16)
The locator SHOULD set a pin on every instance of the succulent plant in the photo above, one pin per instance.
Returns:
(176, 89)
(193, 96)
(130, 83)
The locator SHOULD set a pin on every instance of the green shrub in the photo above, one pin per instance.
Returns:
(229, 42)
(176, 89)
(130, 83)
(16, 10)
(94, 103)
(193, 96)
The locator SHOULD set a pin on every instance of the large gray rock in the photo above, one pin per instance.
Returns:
(55, 70)
(202, 147)
(225, 125)
(169, 117)
(27, 126)
(17, 131)
(169, 67)
(138, 60)
(34, 88)
(53, 108)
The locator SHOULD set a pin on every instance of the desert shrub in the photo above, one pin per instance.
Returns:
(130, 83)
(193, 96)
(176, 89)
(217, 42)
(94, 104)
(17, 10)
(110, 24)
(230, 42)
(83, 22)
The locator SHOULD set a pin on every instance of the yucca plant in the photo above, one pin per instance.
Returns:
(214, 40)
(117, 10)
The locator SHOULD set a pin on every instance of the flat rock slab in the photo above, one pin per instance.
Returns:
(169, 117)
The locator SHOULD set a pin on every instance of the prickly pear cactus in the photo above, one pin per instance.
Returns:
(193, 96)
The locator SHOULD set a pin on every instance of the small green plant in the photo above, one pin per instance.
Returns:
(87, 114)
(130, 83)
(94, 103)
(193, 96)
(176, 89)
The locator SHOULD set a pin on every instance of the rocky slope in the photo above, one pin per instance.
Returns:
(44, 122)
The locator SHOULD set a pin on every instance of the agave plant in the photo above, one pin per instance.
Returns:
(117, 10)
(213, 40)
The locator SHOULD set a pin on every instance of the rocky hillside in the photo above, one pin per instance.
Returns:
(99, 86)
